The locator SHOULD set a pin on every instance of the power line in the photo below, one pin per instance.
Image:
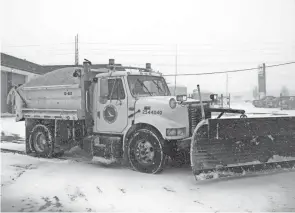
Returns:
(229, 71)
(276, 65)
(38, 45)
(173, 44)
(131, 44)
(145, 44)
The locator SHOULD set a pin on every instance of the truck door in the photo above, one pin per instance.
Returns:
(112, 108)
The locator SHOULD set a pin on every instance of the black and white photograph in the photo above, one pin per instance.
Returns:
(147, 105)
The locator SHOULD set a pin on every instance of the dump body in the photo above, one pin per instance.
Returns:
(53, 94)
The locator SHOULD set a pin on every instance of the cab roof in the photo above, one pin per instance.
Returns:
(128, 72)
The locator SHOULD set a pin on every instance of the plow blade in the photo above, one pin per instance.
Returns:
(225, 146)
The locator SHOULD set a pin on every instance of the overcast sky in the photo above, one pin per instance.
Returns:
(209, 35)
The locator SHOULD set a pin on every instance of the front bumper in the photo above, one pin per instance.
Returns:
(184, 143)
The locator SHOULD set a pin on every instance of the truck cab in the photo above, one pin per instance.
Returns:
(137, 103)
(137, 97)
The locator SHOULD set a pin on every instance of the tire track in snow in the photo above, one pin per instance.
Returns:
(168, 189)
(20, 170)
(48, 204)
(75, 194)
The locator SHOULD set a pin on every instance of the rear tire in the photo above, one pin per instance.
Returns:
(145, 151)
(41, 141)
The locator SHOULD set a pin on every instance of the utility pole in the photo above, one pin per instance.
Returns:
(175, 70)
(76, 51)
(261, 81)
(226, 93)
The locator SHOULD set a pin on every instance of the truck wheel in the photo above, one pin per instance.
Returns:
(41, 141)
(145, 151)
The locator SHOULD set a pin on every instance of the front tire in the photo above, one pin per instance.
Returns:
(41, 141)
(145, 151)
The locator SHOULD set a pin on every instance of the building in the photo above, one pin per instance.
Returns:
(16, 71)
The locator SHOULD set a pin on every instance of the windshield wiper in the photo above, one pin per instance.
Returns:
(142, 84)
(112, 91)
(158, 87)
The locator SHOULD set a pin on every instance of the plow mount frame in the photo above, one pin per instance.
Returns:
(223, 110)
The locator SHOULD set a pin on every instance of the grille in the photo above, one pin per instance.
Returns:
(195, 116)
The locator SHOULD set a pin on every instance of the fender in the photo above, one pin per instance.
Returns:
(159, 123)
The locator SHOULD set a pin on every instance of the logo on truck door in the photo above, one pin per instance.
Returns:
(110, 114)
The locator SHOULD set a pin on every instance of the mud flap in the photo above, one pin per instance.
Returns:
(251, 143)
(85, 149)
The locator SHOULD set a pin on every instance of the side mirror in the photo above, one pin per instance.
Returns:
(95, 79)
(181, 98)
(103, 90)
(212, 97)
(77, 73)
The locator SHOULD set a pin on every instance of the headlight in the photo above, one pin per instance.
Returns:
(181, 132)
(175, 131)
(172, 103)
(171, 132)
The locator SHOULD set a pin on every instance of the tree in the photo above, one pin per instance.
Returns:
(255, 93)
(285, 91)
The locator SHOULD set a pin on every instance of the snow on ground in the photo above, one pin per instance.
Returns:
(35, 184)
(12, 134)
(32, 184)
(9, 126)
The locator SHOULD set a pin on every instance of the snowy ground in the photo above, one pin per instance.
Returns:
(33, 184)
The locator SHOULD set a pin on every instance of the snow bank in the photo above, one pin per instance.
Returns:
(264, 112)
(13, 146)
(9, 127)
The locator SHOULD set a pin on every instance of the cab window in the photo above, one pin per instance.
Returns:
(116, 89)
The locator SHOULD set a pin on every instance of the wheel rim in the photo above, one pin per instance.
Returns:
(144, 152)
(40, 142)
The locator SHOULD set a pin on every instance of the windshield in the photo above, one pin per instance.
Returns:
(144, 85)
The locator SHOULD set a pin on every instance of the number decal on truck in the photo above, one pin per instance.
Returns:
(68, 93)
(152, 112)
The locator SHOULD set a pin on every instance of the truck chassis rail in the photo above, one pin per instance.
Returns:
(52, 114)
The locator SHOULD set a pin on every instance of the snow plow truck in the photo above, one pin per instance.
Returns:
(128, 114)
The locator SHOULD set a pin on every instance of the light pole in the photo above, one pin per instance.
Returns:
(175, 71)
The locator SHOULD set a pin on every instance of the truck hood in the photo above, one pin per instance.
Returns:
(155, 99)
(165, 99)
(158, 108)
(157, 102)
